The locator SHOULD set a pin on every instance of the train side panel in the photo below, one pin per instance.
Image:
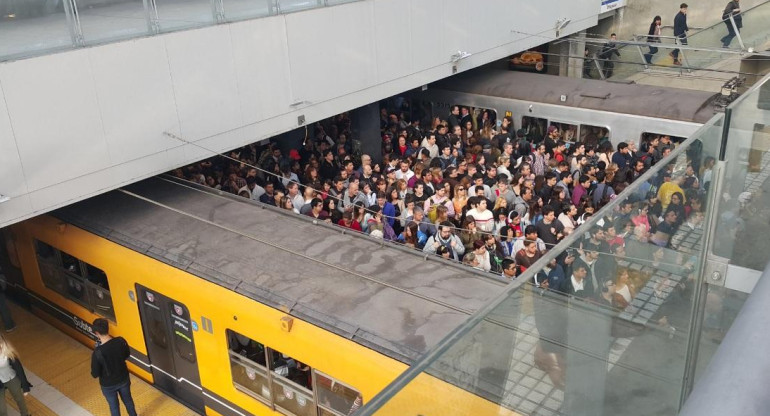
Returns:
(364, 369)
(623, 127)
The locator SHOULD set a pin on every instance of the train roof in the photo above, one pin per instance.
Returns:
(383, 296)
(628, 98)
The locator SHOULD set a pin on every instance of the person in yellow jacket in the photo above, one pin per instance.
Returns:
(670, 186)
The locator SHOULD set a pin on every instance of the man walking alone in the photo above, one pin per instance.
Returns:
(108, 363)
(733, 9)
(680, 31)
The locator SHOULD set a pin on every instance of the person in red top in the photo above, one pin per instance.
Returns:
(347, 221)
(558, 151)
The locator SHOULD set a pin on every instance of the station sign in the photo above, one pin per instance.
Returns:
(608, 5)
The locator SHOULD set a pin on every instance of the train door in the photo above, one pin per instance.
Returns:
(170, 346)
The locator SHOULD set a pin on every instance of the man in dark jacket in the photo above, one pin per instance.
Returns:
(680, 31)
(610, 48)
(733, 9)
(108, 363)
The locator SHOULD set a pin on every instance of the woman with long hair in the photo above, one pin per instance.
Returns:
(653, 36)
(460, 199)
(12, 378)
(330, 206)
(469, 233)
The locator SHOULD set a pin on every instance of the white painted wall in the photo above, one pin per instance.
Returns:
(79, 123)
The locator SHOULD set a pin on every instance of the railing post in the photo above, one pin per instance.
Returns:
(151, 16)
(599, 66)
(218, 9)
(684, 56)
(73, 22)
(641, 53)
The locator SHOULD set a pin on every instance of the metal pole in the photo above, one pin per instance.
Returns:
(599, 66)
(698, 308)
(641, 53)
(737, 32)
(681, 51)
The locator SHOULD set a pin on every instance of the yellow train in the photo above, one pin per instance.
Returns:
(234, 308)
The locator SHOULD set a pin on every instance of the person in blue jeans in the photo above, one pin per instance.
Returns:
(108, 363)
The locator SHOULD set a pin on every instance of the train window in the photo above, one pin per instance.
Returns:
(183, 343)
(45, 252)
(48, 262)
(335, 398)
(101, 301)
(567, 131)
(292, 384)
(535, 128)
(71, 263)
(63, 273)
(247, 363)
(592, 135)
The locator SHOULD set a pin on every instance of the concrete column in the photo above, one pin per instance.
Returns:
(570, 56)
(366, 129)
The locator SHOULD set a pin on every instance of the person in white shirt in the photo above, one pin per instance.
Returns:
(404, 172)
(484, 218)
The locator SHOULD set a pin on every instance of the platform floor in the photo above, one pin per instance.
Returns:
(59, 368)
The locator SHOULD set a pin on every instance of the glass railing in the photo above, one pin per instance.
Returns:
(635, 345)
(37, 27)
(703, 51)
(611, 331)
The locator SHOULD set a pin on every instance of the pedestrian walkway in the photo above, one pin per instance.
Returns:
(59, 368)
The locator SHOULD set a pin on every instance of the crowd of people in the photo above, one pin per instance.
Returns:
(469, 189)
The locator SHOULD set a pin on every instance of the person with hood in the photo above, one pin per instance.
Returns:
(446, 238)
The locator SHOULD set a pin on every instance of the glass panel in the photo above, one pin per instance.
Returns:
(53, 277)
(592, 135)
(29, 26)
(77, 291)
(290, 369)
(182, 14)
(567, 131)
(743, 212)
(183, 341)
(102, 300)
(291, 398)
(535, 127)
(250, 378)
(45, 252)
(335, 396)
(96, 276)
(287, 6)
(246, 347)
(71, 264)
(245, 9)
(112, 20)
(155, 321)
(603, 329)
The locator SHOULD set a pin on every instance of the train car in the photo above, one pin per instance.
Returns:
(235, 308)
(583, 110)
